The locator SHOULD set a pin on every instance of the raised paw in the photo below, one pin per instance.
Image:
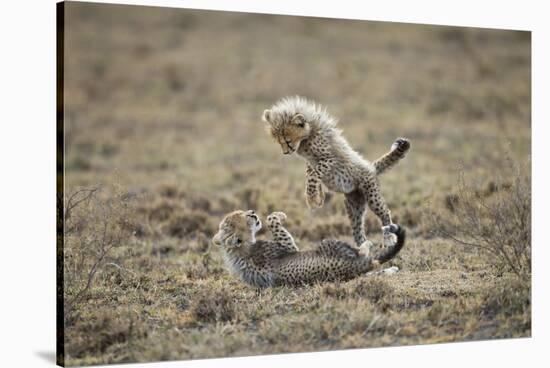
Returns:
(276, 217)
(316, 199)
(401, 144)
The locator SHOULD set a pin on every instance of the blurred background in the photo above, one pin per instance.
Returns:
(163, 105)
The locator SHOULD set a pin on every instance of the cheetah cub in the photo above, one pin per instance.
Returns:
(302, 126)
(265, 263)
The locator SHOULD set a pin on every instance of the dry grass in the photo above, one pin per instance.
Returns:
(166, 104)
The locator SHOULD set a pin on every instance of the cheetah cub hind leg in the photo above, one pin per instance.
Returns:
(389, 232)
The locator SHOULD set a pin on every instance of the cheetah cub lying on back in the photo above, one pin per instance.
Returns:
(301, 126)
(264, 263)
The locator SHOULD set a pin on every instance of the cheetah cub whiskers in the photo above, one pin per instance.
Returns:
(302, 126)
(265, 263)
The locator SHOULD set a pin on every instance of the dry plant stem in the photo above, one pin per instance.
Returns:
(101, 240)
(73, 201)
(78, 297)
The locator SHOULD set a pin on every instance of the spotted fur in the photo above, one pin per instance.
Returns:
(265, 263)
(302, 126)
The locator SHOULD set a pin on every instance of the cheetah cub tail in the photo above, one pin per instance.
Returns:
(390, 252)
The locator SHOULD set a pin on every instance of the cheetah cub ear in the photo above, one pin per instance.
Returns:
(266, 116)
(299, 120)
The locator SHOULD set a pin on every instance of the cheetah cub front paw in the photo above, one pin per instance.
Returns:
(315, 199)
(401, 144)
(364, 248)
(276, 218)
(390, 238)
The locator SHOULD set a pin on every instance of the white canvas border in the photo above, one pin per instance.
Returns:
(28, 185)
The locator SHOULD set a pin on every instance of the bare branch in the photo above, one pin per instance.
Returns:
(86, 251)
(497, 221)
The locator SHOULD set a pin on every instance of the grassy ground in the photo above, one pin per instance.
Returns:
(164, 105)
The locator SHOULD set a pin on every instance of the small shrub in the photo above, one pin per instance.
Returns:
(92, 227)
(495, 219)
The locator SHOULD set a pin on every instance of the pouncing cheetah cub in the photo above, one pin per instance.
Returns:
(302, 126)
(265, 263)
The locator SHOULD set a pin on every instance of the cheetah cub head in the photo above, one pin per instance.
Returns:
(288, 128)
(237, 229)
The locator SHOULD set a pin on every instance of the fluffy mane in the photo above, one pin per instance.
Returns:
(315, 114)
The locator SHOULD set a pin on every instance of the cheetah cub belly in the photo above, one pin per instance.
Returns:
(301, 126)
(265, 263)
